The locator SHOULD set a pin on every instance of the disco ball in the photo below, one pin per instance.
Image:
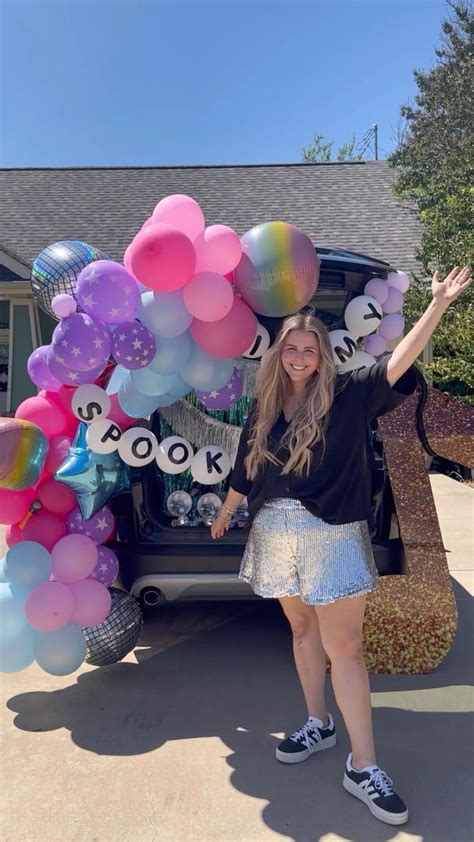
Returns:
(110, 641)
(56, 270)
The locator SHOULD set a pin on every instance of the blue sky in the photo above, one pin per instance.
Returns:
(150, 82)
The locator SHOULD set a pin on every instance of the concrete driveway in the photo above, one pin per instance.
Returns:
(177, 742)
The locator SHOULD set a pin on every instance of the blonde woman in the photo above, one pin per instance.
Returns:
(302, 464)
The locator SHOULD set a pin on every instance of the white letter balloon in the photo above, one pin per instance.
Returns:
(360, 359)
(210, 465)
(260, 344)
(344, 345)
(138, 447)
(103, 436)
(363, 315)
(175, 455)
(90, 403)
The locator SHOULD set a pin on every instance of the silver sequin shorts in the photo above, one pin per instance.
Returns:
(291, 552)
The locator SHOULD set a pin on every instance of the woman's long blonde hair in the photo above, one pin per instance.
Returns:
(309, 421)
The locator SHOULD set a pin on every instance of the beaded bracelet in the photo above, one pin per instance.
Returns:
(227, 510)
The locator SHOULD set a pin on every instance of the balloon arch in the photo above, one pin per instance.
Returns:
(175, 328)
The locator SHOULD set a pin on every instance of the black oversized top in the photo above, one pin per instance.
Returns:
(339, 489)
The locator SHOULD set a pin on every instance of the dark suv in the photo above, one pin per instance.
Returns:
(161, 561)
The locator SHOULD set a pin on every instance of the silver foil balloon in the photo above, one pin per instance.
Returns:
(56, 270)
(111, 640)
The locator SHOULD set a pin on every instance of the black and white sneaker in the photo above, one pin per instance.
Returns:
(374, 788)
(313, 736)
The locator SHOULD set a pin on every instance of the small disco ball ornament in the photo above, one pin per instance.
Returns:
(56, 270)
(111, 640)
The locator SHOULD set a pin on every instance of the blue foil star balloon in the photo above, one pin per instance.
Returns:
(93, 477)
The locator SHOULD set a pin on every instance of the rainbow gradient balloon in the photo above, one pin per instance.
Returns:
(279, 270)
(23, 449)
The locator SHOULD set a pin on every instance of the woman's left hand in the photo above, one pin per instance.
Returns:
(445, 292)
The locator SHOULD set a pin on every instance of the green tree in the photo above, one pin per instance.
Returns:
(435, 165)
(320, 151)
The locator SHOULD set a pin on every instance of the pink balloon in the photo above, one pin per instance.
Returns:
(55, 497)
(15, 504)
(118, 415)
(58, 450)
(45, 528)
(92, 602)
(127, 259)
(392, 326)
(49, 606)
(228, 337)
(13, 535)
(44, 412)
(150, 221)
(375, 344)
(377, 288)
(218, 249)
(74, 558)
(162, 258)
(63, 305)
(208, 296)
(394, 301)
(399, 280)
(182, 212)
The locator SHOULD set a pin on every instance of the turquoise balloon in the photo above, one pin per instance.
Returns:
(27, 565)
(171, 354)
(16, 650)
(180, 389)
(119, 375)
(12, 614)
(60, 652)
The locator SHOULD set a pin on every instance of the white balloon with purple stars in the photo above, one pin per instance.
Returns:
(225, 397)
(133, 345)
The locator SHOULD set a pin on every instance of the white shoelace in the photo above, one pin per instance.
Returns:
(304, 736)
(381, 781)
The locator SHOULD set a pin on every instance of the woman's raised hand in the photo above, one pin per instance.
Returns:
(445, 292)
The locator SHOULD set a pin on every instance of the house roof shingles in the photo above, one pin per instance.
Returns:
(337, 204)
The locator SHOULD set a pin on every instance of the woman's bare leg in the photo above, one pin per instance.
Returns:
(340, 625)
(308, 651)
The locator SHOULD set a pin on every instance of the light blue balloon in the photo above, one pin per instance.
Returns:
(27, 565)
(180, 389)
(16, 650)
(60, 652)
(134, 403)
(119, 374)
(148, 383)
(12, 612)
(165, 400)
(164, 313)
(3, 561)
(204, 372)
(171, 354)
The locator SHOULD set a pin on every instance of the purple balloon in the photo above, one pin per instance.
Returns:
(81, 342)
(392, 326)
(394, 301)
(133, 345)
(107, 291)
(225, 397)
(39, 371)
(99, 528)
(68, 376)
(107, 567)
